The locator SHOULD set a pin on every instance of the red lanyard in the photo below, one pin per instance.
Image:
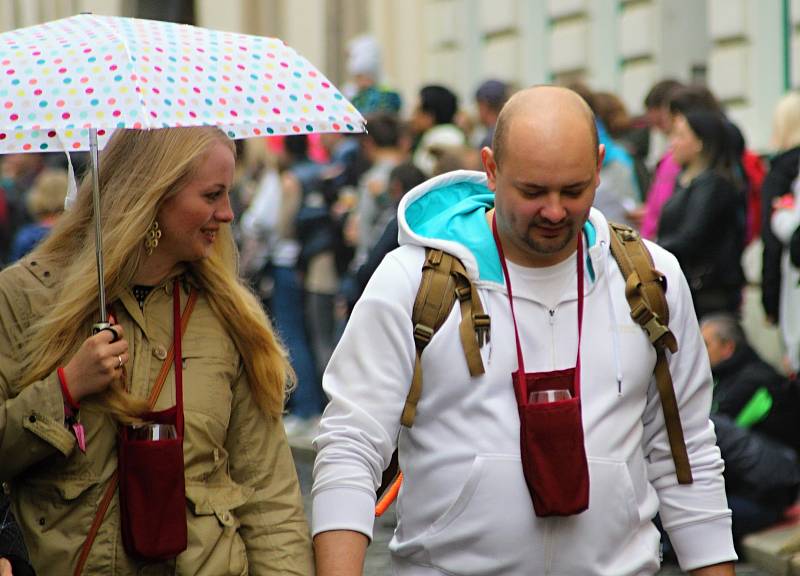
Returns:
(521, 369)
(176, 343)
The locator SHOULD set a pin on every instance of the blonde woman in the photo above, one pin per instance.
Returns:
(166, 224)
(780, 294)
(45, 203)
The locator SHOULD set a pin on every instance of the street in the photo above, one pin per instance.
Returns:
(377, 561)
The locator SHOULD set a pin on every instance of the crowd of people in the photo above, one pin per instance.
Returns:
(313, 218)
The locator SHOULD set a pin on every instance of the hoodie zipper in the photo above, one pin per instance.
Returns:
(612, 319)
(551, 312)
(548, 545)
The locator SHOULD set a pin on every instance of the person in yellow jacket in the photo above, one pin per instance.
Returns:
(65, 392)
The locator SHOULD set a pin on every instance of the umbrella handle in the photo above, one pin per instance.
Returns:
(101, 326)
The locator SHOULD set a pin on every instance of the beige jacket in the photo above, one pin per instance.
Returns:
(244, 509)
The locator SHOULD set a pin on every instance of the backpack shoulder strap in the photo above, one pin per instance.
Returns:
(444, 280)
(645, 289)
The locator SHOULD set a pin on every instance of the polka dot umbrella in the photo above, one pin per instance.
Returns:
(67, 84)
(62, 78)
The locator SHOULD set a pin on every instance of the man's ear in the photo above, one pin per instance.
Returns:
(489, 166)
(728, 348)
(601, 154)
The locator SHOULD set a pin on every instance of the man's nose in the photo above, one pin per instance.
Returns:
(553, 209)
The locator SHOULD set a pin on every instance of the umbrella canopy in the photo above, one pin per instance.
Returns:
(62, 78)
(68, 84)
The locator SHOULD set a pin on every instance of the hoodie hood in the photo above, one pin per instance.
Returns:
(448, 212)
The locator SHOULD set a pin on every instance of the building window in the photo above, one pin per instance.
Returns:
(180, 11)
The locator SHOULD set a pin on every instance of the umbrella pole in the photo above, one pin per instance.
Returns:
(98, 236)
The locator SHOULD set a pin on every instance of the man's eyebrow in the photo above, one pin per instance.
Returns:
(581, 184)
(540, 186)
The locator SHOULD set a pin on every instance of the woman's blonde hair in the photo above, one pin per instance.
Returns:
(786, 122)
(139, 170)
(46, 197)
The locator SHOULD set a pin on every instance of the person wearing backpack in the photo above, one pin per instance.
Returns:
(546, 451)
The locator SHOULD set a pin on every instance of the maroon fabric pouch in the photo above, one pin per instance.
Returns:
(551, 446)
(152, 492)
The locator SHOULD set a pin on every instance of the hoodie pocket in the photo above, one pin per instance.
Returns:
(482, 531)
(610, 535)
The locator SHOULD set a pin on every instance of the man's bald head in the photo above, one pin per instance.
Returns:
(546, 108)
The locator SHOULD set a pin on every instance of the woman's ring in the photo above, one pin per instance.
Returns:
(120, 361)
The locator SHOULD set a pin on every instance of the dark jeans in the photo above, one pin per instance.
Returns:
(321, 327)
(750, 516)
(288, 315)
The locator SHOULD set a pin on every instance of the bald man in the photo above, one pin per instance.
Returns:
(490, 485)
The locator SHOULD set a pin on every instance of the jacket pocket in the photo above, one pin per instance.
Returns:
(208, 374)
(63, 505)
(217, 499)
(72, 488)
(488, 529)
(213, 530)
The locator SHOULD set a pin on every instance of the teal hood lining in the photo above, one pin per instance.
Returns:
(457, 213)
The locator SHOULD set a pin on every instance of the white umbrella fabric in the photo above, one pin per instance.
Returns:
(67, 84)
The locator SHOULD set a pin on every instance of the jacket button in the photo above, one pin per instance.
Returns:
(159, 352)
(41, 521)
(32, 418)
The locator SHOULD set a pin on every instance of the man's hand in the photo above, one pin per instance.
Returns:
(340, 553)
(724, 569)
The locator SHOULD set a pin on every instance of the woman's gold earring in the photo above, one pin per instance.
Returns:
(152, 237)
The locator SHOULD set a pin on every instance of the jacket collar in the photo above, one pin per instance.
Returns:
(741, 357)
(181, 273)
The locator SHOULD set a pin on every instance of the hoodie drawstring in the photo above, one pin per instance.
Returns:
(612, 320)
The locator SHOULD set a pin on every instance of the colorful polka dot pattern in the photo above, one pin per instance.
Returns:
(59, 79)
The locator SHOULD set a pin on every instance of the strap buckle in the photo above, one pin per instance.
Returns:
(422, 334)
(481, 321)
(651, 323)
(463, 293)
(435, 257)
(482, 324)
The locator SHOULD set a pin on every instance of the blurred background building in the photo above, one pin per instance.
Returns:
(745, 50)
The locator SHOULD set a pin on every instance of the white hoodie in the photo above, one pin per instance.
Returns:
(464, 507)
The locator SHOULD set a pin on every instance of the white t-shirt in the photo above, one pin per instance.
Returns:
(546, 284)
